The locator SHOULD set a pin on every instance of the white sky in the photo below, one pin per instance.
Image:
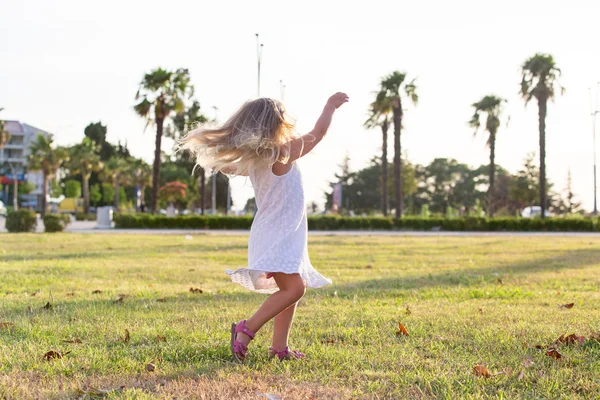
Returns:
(66, 63)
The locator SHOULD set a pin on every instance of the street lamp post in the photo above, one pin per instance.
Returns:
(595, 111)
(259, 50)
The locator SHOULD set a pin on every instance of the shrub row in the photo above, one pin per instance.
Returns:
(369, 223)
(85, 217)
(22, 220)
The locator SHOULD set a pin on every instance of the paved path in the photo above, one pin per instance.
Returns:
(89, 227)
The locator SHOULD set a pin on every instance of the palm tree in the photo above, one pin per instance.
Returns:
(393, 88)
(162, 94)
(540, 80)
(379, 116)
(117, 170)
(84, 158)
(44, 157)
(142, 172)
(492, 106)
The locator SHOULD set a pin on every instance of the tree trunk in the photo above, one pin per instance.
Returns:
(142, 195)
(542, 108)
(384, 168)
(44, 194)
(492, 173)
(116, 196)
(397, 157)
(156, 166)
(15, 194)
(86, 193)
(202, 191)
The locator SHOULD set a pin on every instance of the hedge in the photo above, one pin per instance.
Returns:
(85, 217)
(148, 221)
(22, 220)
(56, 222)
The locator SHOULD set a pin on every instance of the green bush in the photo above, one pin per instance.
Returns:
(333, 223)
(21, 221)
(83, 217)
(56, 222)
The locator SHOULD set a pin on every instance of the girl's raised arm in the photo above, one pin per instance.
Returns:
(304, 144)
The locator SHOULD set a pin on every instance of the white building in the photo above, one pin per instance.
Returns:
(14, 156)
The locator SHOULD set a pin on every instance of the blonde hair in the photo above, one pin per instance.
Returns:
(259, 133)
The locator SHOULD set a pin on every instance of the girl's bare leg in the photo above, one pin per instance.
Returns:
(282, 326)
(291, 289)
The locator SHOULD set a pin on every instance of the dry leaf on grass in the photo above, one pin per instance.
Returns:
(6, 325)
(500, 281)
(126, 338)
(97, 291)
(569, 305)
(528, 362)
(401, 330)
(162, 300)
(48, 306)
(328, 341)
(70, 294)
(269, 396)
(161, 338)
(150, 367)
(480, 370)
(570, 339)
(52, 354)
(480, 310)
(369, 266)
(595, 336)
(554, 354)
(196, 290)
(521, 375)
(74, 341)
(408, 312)
(119, 300)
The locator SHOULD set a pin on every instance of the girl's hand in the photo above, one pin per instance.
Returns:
(337, 100)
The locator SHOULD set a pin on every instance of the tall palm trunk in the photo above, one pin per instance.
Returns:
(492, 173)
(202, 191)
(397, 157)
(542, 109)
(44, 193)
(86, 193)
(156, 166)
(116, 196)
(15, 188)
(384, 168)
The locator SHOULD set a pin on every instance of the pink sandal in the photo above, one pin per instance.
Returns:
(239, 349)
(285, 354)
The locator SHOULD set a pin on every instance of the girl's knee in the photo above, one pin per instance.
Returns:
(298, 292)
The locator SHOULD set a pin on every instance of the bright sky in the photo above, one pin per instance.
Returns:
(66, 63)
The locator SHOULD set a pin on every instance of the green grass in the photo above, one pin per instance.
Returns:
(461, 316)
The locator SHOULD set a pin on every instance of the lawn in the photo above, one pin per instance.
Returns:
(465, 301)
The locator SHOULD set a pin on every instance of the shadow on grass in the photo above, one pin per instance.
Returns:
(469, 276)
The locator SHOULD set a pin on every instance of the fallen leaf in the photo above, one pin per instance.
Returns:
(119, 300)
(401, 330)
(162, 300)
(521, 375)
(595, 336)
(161, 338)
(570, 339)
(150, 367)
(97, 291)
(70, 294)
(6, 325)
(52, 354)
(570, 305)
(528, 362)
(74, 340)
(500, 281)
(48, 306)
(269, 396)
(34, 294)
(126, 337)
(369, 266)
(408, 312)
(553, 353)
(480, 310)
(196, 290)
(558, 293)
(328, 341)
(480, 370)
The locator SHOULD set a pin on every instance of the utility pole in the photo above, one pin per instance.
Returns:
(259, 51)
(594, 111)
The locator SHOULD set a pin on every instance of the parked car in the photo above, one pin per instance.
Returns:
(534, 211)
(3, 210)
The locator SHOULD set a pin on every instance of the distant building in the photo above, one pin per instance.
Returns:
(14, 156)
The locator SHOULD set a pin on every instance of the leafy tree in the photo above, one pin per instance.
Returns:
(95, 195)
(55, 189)
(142, 173)
(380, 116)
(84, 159)
(540, 81)
(491, 106)
(47, 158)
(96, 133)
(108, 193)
(72, 188)
(162, 94)
(117, 170)
(393, 89)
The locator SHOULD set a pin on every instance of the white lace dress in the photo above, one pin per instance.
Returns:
(279, 233)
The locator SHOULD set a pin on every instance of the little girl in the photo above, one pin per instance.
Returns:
(258, 141)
